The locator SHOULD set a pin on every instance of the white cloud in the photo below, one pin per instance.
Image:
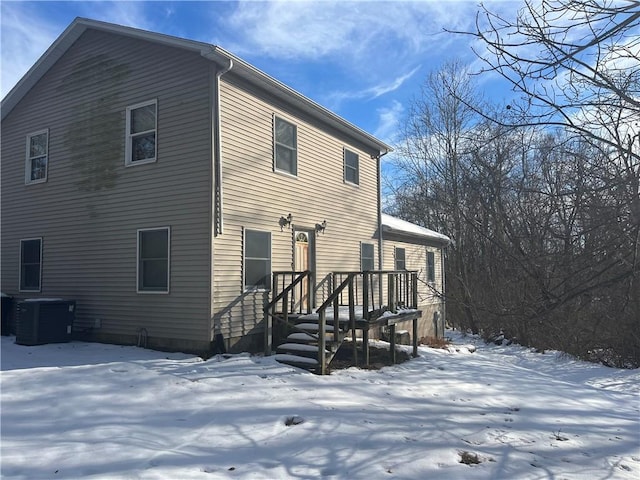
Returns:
(376, 35)
(26, 32)
(24, 38)
(386, 85)
(389, 119)
(396, 83)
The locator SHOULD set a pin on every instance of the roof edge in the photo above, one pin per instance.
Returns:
(212, 52)
(403, 229)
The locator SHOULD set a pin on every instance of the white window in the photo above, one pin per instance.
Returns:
(351, 167)
(285, 150)
(431, 267)
(367, 260)
(37, 157)
(141, 145)
(401, 264)
(153, 260)
(30, 264)
(257, 260)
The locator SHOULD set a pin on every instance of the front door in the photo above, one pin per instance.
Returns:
(303, 260)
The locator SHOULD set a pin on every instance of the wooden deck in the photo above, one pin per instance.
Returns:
(356, 301)
(386, 319)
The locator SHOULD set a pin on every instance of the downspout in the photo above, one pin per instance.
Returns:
(217, 140)
(442, 288)
(380, 255)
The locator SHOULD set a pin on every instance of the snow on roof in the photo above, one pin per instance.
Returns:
(396, 225)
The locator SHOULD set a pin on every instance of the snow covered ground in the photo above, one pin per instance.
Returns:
(94, 411)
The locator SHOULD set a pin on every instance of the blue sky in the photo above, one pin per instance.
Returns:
(363, 60)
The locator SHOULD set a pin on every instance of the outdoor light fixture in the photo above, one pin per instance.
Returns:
(285, 221)
(321, 226)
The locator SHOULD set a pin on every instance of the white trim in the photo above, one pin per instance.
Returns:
(275, 143)
(244, 263)
(28, 159)
(153, 292)
(344, 167)
(20, 289)
(128, 136)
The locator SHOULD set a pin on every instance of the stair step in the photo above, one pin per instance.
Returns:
(313, 327)
(297, 361)
(312, 318)
(301, 337)
(299, 347)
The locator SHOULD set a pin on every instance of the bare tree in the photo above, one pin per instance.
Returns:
(575, 63)
(575, 67)
(431, 161)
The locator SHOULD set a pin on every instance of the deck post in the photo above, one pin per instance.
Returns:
(268, 320)
(352, 320)
(414, 288)
(322, 359)
(392, 343)
(268, 333)
(365, 295)
(415, 337)
(285, 311)
(392, 292)
(365, 346)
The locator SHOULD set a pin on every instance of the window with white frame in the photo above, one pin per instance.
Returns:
(257, 260)
(367, 260)
(351, 167)
(153, 260)
(401, 263)
(285, 150)
(37, 158)
(141, 144)
(30, 264)
(431, 267)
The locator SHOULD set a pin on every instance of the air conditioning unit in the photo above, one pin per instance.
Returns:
(41, 321)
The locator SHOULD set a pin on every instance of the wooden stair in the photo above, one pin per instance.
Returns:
(349, 301)
(300, 348)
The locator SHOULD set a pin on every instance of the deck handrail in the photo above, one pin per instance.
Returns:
(322, 318)
(269, 308)
(301, 276)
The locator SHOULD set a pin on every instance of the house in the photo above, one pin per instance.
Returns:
(162, 184)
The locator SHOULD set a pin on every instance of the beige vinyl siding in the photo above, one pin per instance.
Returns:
(255, 197)
(416, 259)
(91, 206)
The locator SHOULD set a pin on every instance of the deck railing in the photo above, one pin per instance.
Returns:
(288, 283)
(375, 291)
(379, 290)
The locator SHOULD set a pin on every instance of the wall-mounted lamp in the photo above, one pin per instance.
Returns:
(285, 221)
(321, 226)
